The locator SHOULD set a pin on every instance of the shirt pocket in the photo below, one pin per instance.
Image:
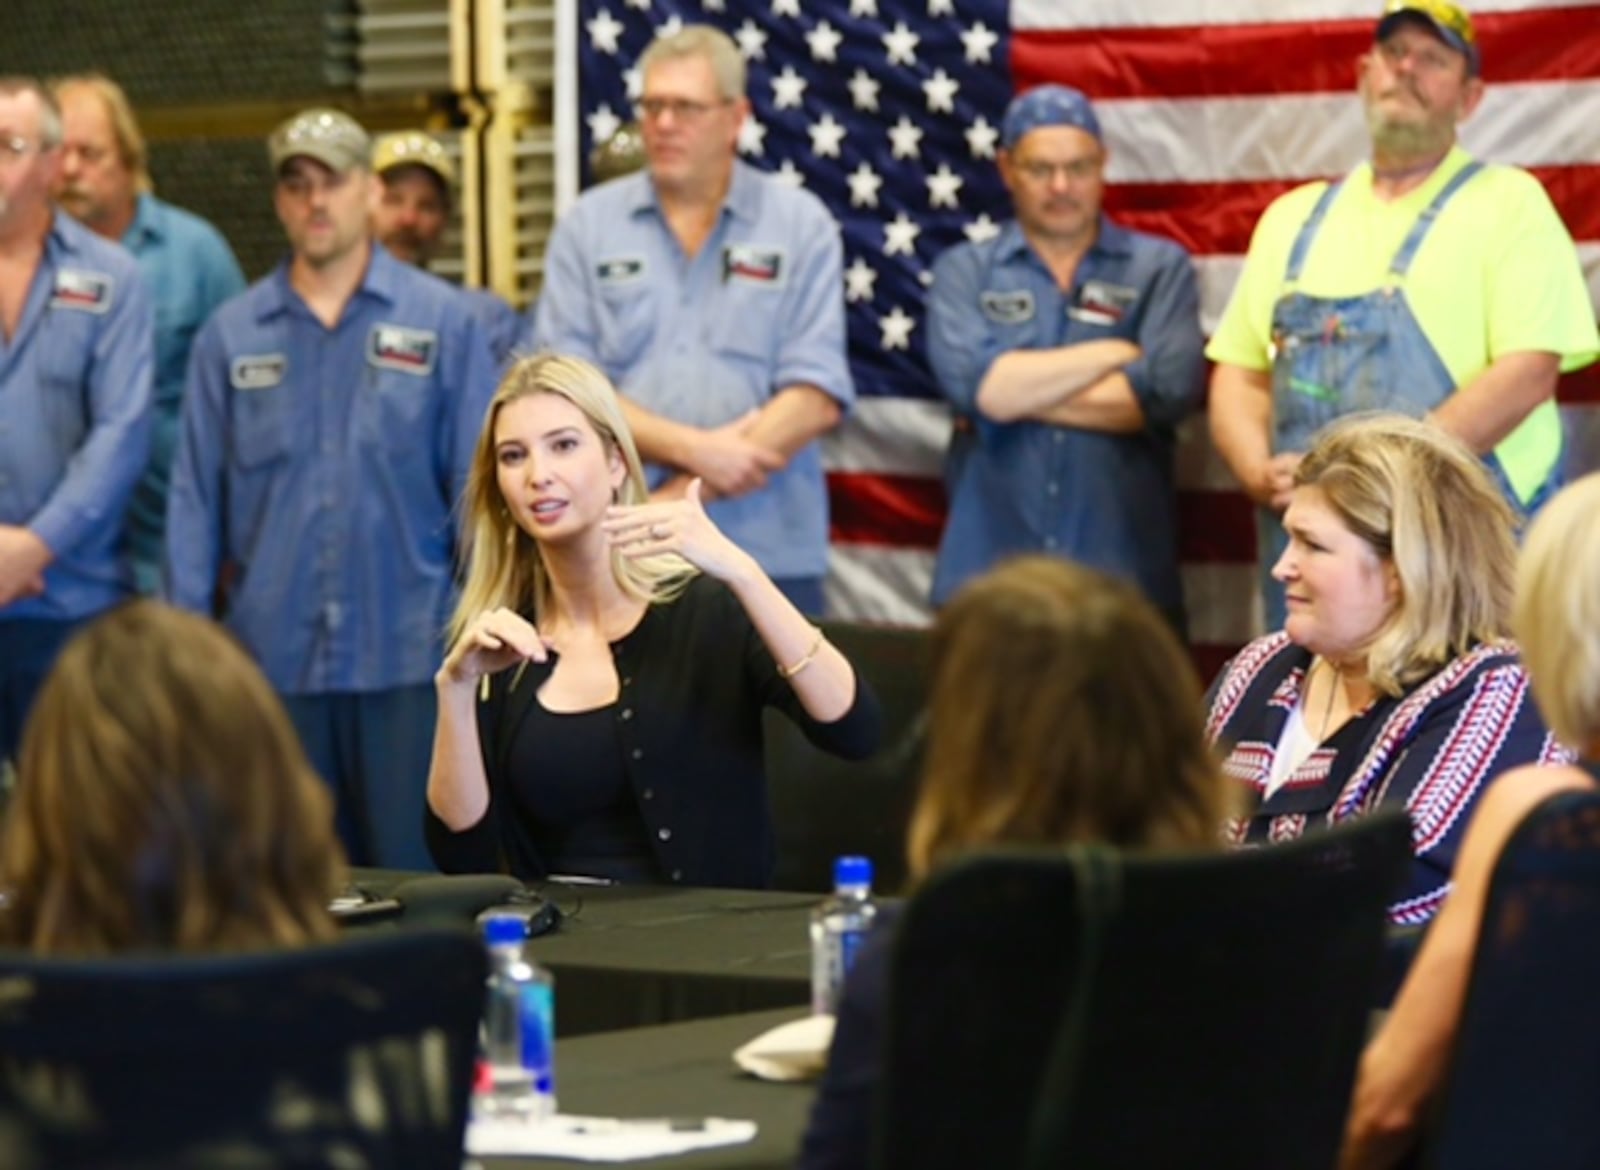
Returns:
(393, 414)
(627, 322)
(260, 427)
(62, 381)
(745, 332)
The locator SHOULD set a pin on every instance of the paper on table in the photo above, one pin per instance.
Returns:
(796, 1051)
(603, 1139)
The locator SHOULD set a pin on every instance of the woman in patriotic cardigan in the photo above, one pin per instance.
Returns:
(1392, 681)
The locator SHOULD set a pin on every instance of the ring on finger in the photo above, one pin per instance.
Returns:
(658, 531)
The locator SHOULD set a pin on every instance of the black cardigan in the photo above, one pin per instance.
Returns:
(694, 678)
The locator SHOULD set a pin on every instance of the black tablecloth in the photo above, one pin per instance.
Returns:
(681, 1070)
(631, 956)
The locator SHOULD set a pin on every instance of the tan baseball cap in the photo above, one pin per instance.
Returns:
(413, 148)
(332, 137)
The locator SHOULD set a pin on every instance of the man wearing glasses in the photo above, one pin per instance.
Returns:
(1070, 349)
(184, 261)
(76, 332)
(713, 296)
(1423, 282)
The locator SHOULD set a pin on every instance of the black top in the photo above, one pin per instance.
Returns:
(568, 783)
(694, 678)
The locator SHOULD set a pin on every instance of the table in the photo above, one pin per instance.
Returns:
(634, 956)
(682, 1070)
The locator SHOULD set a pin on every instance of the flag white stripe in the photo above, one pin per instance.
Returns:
(1047, 15)
(876, 583)
(873, 583)
(891, 436)
(1297, 136)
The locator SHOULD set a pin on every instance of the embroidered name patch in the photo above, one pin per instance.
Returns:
(258, 371)
(1007, 308)
(1102, 303)
(396, 347)
(619, 269)
(752, 263)
(77, 289)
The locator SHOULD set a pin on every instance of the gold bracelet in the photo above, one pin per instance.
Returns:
(788, 672)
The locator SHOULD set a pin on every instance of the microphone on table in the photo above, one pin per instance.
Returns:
(459, 898)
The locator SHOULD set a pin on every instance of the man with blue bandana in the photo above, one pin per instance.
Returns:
(1424, 282)
(76, 350)
(327, 430)
(1069, 348)
(713, 296)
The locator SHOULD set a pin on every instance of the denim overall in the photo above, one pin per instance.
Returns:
(1334, 356)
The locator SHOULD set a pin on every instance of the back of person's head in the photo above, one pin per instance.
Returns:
(1062, 710)
(708, 43)
(1421, 500)
(1556, 617)
(504, 565)
(163, 801)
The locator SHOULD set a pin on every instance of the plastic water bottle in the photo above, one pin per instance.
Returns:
(838, 927)
(518, 1073)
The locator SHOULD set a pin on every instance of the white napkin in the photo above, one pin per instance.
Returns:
(796, 1051)
(602, 1139)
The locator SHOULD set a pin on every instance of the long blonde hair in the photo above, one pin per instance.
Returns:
(163, 801)
(1063, 710)
(504, 566)
(1557, 612)
(1421, 500)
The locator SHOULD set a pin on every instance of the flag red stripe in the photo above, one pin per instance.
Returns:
(1313, 56)
(1216, 528)
(899, 511)
(1580, 388)
(1217, 218)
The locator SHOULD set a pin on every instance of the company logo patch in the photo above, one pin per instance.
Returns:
(1006, 308)
(619, 269)
(1102, 303)
(396, 347)
(258, 371)
(77, 288)
(752, 263)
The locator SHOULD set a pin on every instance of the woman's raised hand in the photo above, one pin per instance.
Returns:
(676, 526)
(496, 639)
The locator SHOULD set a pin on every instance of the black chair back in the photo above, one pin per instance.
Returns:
(824, 807)
(1524, 1083)
(1089, 1008)
(354, 1054)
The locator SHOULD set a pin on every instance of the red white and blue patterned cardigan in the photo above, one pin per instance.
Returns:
(1431, 751)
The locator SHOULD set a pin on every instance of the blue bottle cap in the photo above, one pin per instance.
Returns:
(505, 928)
(852, 871)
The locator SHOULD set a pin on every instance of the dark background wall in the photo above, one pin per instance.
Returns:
(209, 79)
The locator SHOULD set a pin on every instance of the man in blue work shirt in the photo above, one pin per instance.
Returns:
(1070, 348)
(183, 260)
(75, 367)
(713, 296)
(327, 429)
(415, 181)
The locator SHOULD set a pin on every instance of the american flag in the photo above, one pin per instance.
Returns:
(888, 110)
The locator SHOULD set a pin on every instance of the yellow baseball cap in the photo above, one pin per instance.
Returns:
(1448, 21)
(413, 148)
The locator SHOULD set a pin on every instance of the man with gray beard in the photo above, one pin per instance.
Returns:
(1424, 282)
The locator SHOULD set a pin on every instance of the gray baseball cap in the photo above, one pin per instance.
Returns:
(332, 137)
